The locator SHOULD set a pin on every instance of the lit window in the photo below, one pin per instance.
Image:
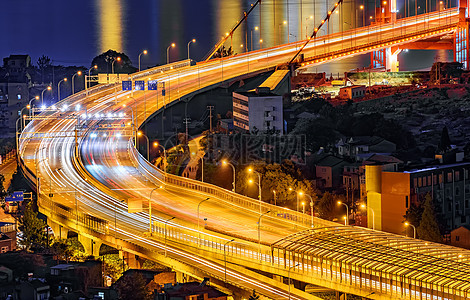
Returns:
(19, 96)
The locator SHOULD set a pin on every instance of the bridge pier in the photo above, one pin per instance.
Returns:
(59, 231)
(92, 248)
(461, 39)
(133, 261)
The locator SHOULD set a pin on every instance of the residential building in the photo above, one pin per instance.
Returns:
(191, 291)
(352, 92)
(260, 111)
(359, 148)
(460, 237)
(328, 171)
(7, 237)
(391, 194)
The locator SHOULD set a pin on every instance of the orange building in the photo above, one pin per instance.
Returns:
(390, 194)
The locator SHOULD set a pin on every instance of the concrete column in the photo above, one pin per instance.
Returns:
(59, 231)
(391, 59)
(92, 248)
(133, 261)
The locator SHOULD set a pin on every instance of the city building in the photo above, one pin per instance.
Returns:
(328, 171)
(360, 148)
(190, 291)
(460, 237)
(7, 237)
(391, 194)
(352, 92)
(259, 111)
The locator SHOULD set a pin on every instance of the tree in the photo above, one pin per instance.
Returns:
(44, 62)
(326, 206)
(428, 228)
(104, 62)
(133, 287)
(2, 187)
(34, 236)
(444, 143)
(253, 296)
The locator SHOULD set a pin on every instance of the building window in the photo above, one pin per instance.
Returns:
(4, 249)
(420, 182)
(429, 180)
(449, 177)
(434, 179)
(19, 96)
(457, 175)
(463, 219)
(457, 238)
(424, 181)
(415, 182)
(407, 202)
(441, 179)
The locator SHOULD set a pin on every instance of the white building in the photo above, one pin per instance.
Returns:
(259, 110)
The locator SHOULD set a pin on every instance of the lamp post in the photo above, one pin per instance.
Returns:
(199, 233)
(166, 232)
(79, 73)
(168, 52)
(225, 162)
(373, 215)
(303, 207)
(251, 36)
(414, 228)
(347, 211)
(225, 259)
(250, 170)
(289, 276)
(58, 87)
(259, 233)
(31, 105)
(89, 75)
(156, 144)
(275, 197)
(140, 133)
(311, 205)
(363, 15)
(112, 65)
(143, 52)
(42, 94)
(189, 43)
(150, 210)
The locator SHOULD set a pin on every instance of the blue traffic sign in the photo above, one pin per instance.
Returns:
(152, 85)
(17, 196)
(127, 85)
(139, 85)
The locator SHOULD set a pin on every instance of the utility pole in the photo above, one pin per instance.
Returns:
(186, 122)
(210, 107)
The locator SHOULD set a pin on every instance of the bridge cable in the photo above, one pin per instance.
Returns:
(225, 38)
(315, 31)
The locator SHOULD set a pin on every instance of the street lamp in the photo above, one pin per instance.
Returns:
(414, 228)
(347, 211)
(156, 144)
(303, 207)
(58, 87)
(259, 234)
(30, 105)
(42, 94)
(165, 230)
(143, 52)
(225, 162)
(89, 75)
(363, 15)
(139, 133)
(112, 65)
(189, 43)
(289, 276)
(250, 170)
(311, 205)
(373, 214)
(225, 259)
(168, 52)
(275, 197)
(251, 36)
(79, 73)
(199, 233)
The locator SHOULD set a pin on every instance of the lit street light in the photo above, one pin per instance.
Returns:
(89, 75)
(225, 259)
(347, 211)
(259, 233)
(250, 170)
(143, 52)
(189, 43)
(112, 65)
(31, 105)
(225, 162)
(58, 87)
(168, 52)
(156, 145)
(251, 36)
(414, 228)
(199, 233)
(311, 205)
(140, 133)
(373, 215)
(79, 73)
(42, 94)
(275, 197)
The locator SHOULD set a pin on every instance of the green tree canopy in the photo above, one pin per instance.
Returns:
(223, 52)
(104, 62)
(428, 228)
(34, 236)
(132, 287)
(326, 206)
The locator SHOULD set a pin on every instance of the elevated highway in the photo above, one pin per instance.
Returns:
(81, 157)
